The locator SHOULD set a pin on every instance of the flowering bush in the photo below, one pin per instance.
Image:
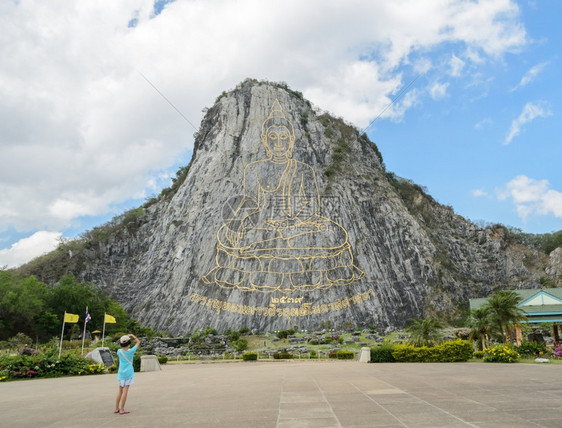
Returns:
(558, 352)
(501, 354)
(46, 365)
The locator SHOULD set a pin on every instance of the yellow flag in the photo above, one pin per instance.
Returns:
(109, 319)
(71, 318)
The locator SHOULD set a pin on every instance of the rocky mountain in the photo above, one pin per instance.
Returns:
(286, 216)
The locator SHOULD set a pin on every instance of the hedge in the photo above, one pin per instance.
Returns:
(282, 356)
(451, 351)
(345, 355)
(250, 356)
(382, 353)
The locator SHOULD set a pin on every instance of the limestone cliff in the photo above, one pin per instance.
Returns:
(268, 234)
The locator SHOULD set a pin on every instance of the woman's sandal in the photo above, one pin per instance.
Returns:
(116, 411)
(124, 412)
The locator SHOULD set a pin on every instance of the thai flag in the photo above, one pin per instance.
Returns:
(88, 316)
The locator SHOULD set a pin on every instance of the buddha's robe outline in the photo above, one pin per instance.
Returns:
(277, 240)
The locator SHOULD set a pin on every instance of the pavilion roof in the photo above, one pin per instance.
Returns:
(539, 305)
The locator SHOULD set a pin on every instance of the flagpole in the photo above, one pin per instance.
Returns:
(84, 332)
(103, 334)
(62, 333)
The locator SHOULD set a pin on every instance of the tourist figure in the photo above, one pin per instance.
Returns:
(126, 373)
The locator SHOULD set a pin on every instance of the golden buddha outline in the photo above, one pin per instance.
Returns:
(277, 240)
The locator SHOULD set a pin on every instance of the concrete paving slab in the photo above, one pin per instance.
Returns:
(297, 394)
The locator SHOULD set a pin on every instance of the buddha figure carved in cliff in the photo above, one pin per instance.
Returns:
(277, 240)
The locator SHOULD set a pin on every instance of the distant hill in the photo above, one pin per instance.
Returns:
(294, 233)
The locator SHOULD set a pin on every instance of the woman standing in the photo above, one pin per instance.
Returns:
(126, 373)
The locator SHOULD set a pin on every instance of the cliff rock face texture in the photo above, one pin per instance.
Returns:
(287, 217)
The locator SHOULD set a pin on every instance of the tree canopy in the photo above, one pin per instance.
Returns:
(425, 332)
(31, 307)
(504, 311)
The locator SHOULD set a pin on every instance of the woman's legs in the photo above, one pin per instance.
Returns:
(121, 399)
(118, 399)
(124, 392)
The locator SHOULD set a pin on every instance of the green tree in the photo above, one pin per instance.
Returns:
(21, 304)
(425, 332)
(73, 296)
(480, 324)
(505, 312)
(124, 323)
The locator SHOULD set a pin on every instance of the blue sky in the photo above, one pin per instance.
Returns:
(85, 135)
(463, 146)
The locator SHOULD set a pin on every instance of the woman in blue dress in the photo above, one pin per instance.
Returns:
(126, 373)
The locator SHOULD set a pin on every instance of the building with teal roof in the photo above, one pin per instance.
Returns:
(539, 306)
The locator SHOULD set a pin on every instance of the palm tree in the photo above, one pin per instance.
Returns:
(480, 324)
(505, 312)
(425, 332)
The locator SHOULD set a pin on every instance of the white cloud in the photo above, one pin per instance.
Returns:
(530, 112)
(530, 75)
(438, 90)
(456, 64)
(82, 131)
(422, 65)
(28, 248)
(479, 193)
(484, 123)
(532, 197)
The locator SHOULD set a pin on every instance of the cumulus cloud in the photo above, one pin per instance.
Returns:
(532, 197)
(479, 193)
(530, 112)
(438, 90)
(28, 248)
(530, 75)
(83, 131)
(456, 65)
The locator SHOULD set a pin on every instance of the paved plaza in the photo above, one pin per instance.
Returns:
(298, 393)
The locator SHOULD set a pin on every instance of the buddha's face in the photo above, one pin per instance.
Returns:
(278, 140)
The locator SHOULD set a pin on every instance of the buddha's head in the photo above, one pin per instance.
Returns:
(278, 134)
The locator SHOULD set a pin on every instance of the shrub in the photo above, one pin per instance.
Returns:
(136, 362)
(412, 354)
(478, 354)
(240, 344)
(501, 354)
(283, 334)
(282, 356)
(453, 351)
(47, 365)
(345, 355)
(382, 353)
(446, 352)
(249, 356)
(333, 354)
(532, 349)
(162, 359)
